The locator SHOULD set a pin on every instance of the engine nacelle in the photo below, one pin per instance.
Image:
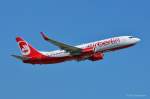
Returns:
(97, 56)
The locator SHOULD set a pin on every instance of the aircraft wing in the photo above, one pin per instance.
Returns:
(73, 50)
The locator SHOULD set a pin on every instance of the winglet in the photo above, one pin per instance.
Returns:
(44, 36)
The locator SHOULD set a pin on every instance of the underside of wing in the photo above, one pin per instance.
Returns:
(71, 49)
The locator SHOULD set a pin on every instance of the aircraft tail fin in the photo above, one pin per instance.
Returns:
(26, 49)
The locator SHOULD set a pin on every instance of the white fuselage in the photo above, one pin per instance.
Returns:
(105, 45)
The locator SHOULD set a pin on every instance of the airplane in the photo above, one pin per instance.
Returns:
(93, 51)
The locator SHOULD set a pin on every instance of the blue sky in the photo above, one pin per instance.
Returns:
(121, 75)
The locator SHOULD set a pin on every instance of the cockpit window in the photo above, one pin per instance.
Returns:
(131, 37)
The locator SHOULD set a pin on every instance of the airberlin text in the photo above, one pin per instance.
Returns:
(105, 42)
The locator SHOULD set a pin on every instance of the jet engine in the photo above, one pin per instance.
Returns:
(96, 56)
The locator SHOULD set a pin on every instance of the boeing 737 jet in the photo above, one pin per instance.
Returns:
(93, 51)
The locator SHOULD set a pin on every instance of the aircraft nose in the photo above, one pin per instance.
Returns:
(138, 40)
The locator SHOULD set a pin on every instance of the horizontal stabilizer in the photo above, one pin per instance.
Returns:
(20, 57)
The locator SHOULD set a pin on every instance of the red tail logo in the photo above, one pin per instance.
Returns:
(24, 48)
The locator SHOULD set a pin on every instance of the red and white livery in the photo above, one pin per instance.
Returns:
(90, 51)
